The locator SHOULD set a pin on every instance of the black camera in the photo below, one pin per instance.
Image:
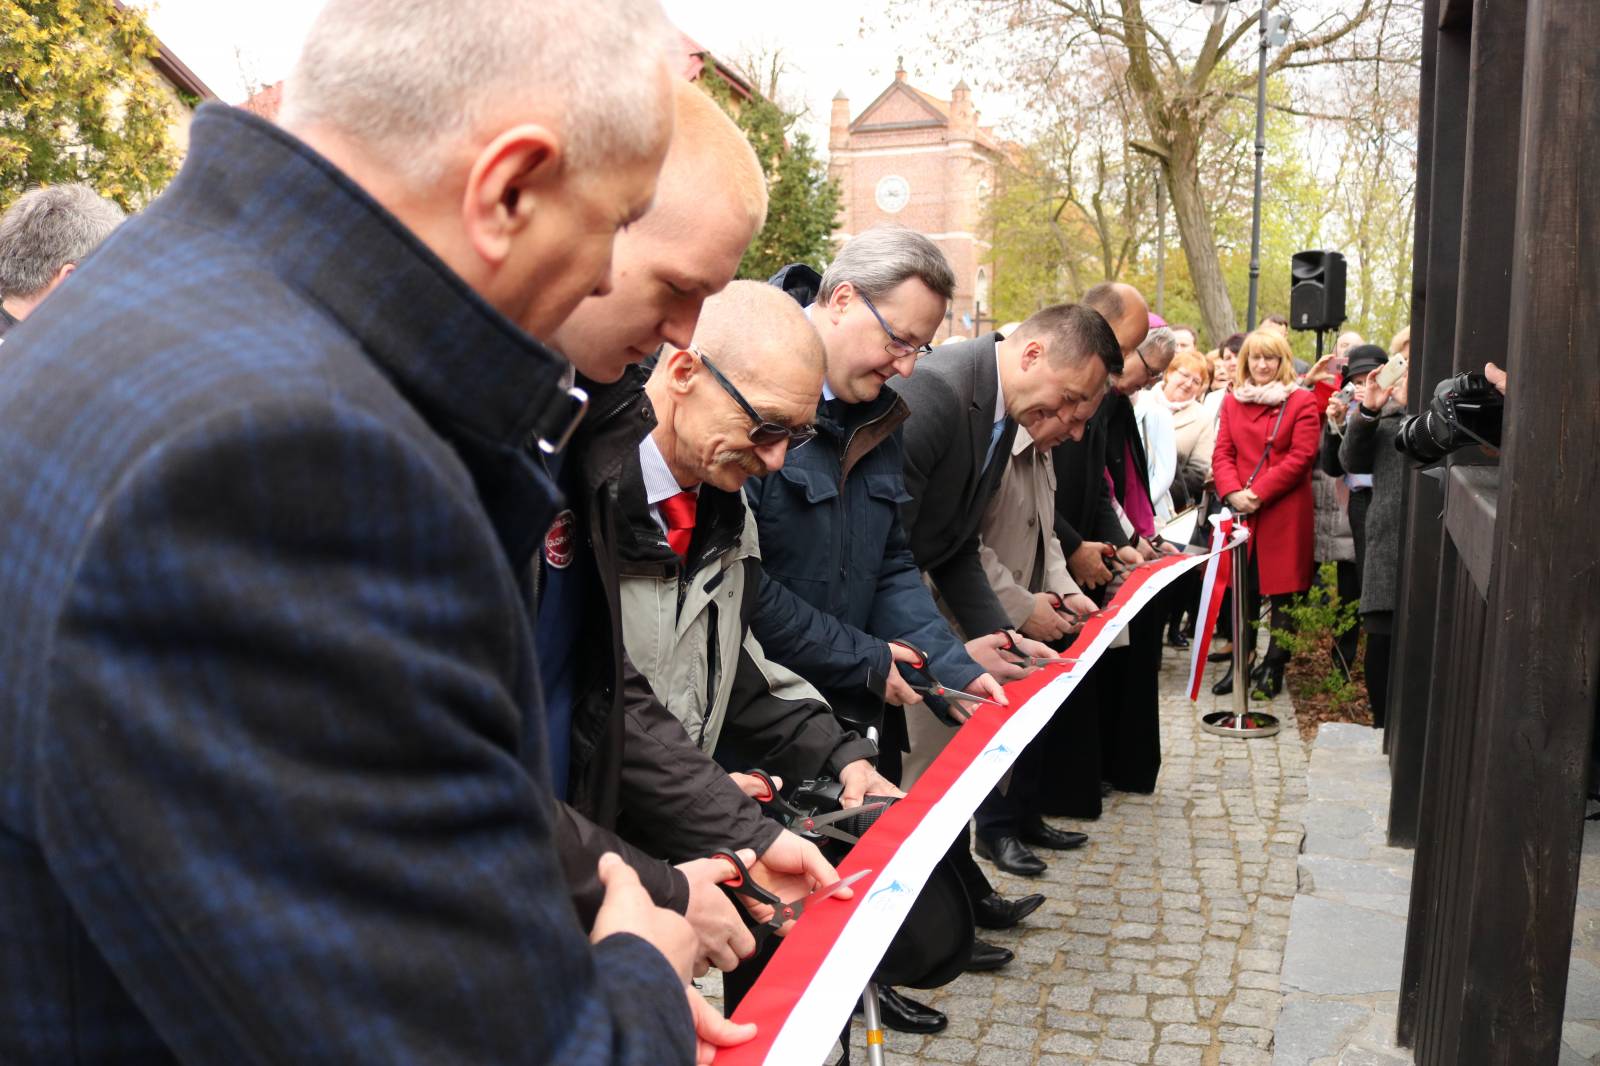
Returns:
(1465, 410)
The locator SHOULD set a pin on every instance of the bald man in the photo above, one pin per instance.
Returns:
(728, 406)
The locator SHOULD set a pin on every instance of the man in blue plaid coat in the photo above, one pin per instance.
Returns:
(273, 777)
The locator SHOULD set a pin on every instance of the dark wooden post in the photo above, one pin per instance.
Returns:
(1540, 685)
(1432, 750)
(1417, 612)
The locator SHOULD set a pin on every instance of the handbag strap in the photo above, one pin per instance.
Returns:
(1270, 438)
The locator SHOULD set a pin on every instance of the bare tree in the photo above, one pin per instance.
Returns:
(1179, 85)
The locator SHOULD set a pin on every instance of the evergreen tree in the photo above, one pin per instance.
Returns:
(79, 101)
(803, 201)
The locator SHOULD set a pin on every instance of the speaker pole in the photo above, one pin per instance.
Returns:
(1261, 151)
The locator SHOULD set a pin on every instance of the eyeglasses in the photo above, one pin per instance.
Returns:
(896, 347)
(1150, 375)
(763, 432)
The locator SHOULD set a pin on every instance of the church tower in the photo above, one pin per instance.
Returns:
(917, 160)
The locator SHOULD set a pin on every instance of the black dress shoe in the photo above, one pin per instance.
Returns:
(1224, 686)
(906, 1015)
(1012, 856)
(1270, 684)
(987, 956)
(994, 911)
(1176, 638)
(1043, 835)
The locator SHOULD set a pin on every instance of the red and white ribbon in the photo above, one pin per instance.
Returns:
(805, 995)
(1219, 573)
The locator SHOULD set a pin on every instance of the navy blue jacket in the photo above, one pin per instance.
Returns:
(273, 783)
(839, 577)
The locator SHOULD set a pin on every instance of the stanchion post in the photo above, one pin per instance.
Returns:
(873, 1017)
(1241, 660)
(1240, 722)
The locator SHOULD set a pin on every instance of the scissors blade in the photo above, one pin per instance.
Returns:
(812, 822)
(794, 908)
(965, 697)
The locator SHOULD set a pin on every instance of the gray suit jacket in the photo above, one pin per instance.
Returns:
(952, 400)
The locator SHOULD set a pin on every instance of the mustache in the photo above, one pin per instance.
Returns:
(748, 462)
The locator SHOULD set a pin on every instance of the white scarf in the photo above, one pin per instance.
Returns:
(1271, 394)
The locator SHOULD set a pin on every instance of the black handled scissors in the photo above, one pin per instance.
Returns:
(1024, 660)
(935, 687)
(782, 912)
(809, 823)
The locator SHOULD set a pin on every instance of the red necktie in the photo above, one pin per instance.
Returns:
(678, 512)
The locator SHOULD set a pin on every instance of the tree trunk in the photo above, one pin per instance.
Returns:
(1182, 175)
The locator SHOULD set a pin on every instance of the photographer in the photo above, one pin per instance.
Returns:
(1368, 449)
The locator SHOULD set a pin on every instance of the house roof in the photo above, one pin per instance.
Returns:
(693, 65)
(937, 111)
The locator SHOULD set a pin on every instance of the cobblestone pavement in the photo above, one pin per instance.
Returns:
(1162, 940)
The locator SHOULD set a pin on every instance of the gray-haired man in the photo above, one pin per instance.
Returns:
(841, 582)
(43, 238)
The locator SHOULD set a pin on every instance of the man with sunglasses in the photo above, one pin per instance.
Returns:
(690, 565)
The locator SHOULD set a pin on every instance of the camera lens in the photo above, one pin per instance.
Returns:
(1425, 437)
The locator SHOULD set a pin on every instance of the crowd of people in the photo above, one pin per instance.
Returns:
(417, 541)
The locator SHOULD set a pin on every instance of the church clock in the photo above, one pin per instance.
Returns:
(893, 193)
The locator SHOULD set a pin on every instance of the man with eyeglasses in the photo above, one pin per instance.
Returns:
(840, 582)
(690, 561)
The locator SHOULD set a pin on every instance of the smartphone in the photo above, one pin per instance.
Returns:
(1392, 371)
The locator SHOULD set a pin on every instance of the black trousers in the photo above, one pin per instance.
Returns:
(1348, 643)
(1130, 698)
(1008, 813)
(1379, 625)
(1278, 617)
(1069, 754)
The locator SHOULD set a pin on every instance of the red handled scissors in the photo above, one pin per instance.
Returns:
(935, 687)
(1028, 662)
(782, 912)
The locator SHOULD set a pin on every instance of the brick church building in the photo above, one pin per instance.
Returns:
(914, 159)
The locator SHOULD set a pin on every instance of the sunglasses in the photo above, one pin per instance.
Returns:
(763, 432)
(896, 347)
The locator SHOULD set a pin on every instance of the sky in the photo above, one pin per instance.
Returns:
(832, 45)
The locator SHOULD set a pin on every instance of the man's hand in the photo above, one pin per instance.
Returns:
(1496, 376)
(789, 869)
(1128, 555)
(713, 1031)
(861, 778)
(985, 651)
(753, 786)
(723, 938)
(897, 690)
(1032, 648)
(1079, 607)
(1087, 563)
(627, 909)
(1146, 550)
(1045, 622)
(986, 686)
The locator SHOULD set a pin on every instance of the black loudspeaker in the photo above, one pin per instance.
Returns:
(1316, 300)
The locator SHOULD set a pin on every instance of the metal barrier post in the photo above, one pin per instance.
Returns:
(1241, 721)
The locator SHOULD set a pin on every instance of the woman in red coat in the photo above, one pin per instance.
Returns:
(1266, 443)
